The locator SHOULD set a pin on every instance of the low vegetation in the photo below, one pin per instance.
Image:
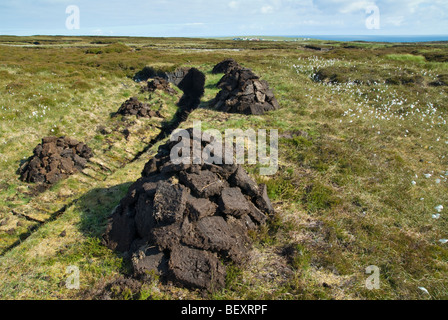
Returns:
(362, 179)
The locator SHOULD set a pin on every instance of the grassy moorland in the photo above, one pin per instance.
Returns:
(363, 164)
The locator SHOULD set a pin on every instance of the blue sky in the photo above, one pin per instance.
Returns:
(223, 17)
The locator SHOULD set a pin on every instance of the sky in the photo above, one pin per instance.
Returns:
(216, 18)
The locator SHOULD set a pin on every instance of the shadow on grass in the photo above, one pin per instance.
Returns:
(96, 206)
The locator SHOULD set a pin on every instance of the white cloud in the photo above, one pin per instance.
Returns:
(234, 5)
(395, 21)
(98, 32)
(342, 6)
(267, 9)
(355, 6)
(277, 3)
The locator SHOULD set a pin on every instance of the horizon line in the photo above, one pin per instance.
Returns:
(311, 36)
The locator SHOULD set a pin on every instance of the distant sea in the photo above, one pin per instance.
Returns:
(373, 38)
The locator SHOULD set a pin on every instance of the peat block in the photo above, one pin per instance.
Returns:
(186, 222)
(243, 92)
(225, 66)
(159, 83)
(133, 107)
(55, 159)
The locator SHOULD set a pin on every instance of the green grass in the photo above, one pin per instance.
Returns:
(407, 58)
(344, 198)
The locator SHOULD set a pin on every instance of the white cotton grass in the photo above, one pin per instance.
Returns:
(424, 290)
(439, 208)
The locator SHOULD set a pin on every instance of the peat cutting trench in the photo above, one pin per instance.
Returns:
(187, 222)
(190, 80)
